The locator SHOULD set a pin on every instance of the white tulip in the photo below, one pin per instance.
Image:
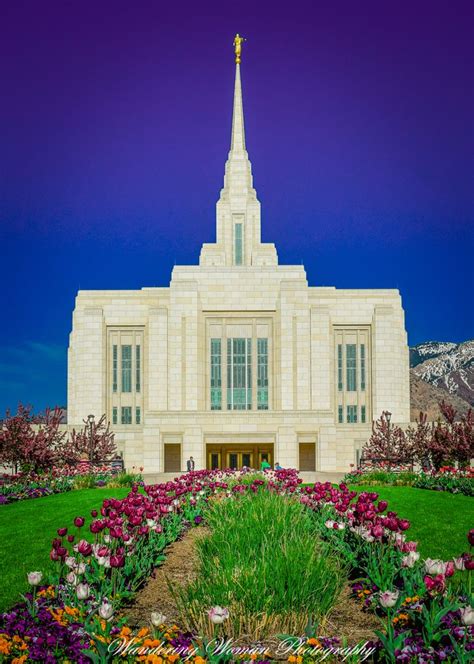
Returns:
(34, 578)
(157, 618)
(82, 591)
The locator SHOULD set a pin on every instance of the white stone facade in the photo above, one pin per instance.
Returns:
(299, 372)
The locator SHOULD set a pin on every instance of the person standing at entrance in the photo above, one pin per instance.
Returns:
(190, 464)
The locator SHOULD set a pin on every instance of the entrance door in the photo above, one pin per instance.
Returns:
(236, 459)
(214, 462)
(233, 460)
(238, 455)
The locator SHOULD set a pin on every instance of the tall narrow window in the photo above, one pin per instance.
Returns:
(351, 369)
(339, 367)
(114, 368)
(126, 368)
(216, 375)
(262, 374)
(362, 414)
(138, 415)
(239, 374)
(138, 369)
(352, 414)
(126, 414)
(340, 414)
(238, 244)
(114, 415)
(362, 367)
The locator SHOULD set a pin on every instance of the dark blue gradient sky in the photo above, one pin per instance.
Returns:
(115, 126)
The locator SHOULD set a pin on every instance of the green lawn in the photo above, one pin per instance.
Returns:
(28, 527)
(439, 520)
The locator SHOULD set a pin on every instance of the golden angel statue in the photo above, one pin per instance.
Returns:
(238, 47)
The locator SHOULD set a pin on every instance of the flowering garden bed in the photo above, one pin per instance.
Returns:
(423, 606)
(24, 486)
(447, 478)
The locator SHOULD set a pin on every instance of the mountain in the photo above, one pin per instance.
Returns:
(426, 398)
(446, 366)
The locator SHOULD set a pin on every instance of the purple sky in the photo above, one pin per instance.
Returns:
(115, 125)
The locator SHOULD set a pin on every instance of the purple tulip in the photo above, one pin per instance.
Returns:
(84, 548)
(117, 561)
(62, 531)
(377, 531)
(79, 521)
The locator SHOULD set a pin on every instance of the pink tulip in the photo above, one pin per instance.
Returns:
(377, 531)
(79, 521)
(449, 569)
(435, 584)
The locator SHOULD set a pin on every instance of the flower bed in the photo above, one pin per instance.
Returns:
(423, 607)
(24, 486)
(446, 479)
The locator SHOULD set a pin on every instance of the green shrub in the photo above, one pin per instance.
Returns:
(85, 481)
(123, 479)
(264, 562)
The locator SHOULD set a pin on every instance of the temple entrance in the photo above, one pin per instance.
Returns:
(238, 456)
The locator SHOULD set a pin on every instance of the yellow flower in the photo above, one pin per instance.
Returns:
(4, 645)
(199, 660)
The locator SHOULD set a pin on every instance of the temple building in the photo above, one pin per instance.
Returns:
(238, 359)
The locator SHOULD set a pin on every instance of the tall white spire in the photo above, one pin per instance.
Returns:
(238, 132)
(238, 240)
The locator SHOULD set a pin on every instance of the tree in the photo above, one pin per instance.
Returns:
(453, 439)
(420, 438)
(29, 442)
(388, 442)
(437, 443)
(44, 449)
(16, 432)
(94, 440)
